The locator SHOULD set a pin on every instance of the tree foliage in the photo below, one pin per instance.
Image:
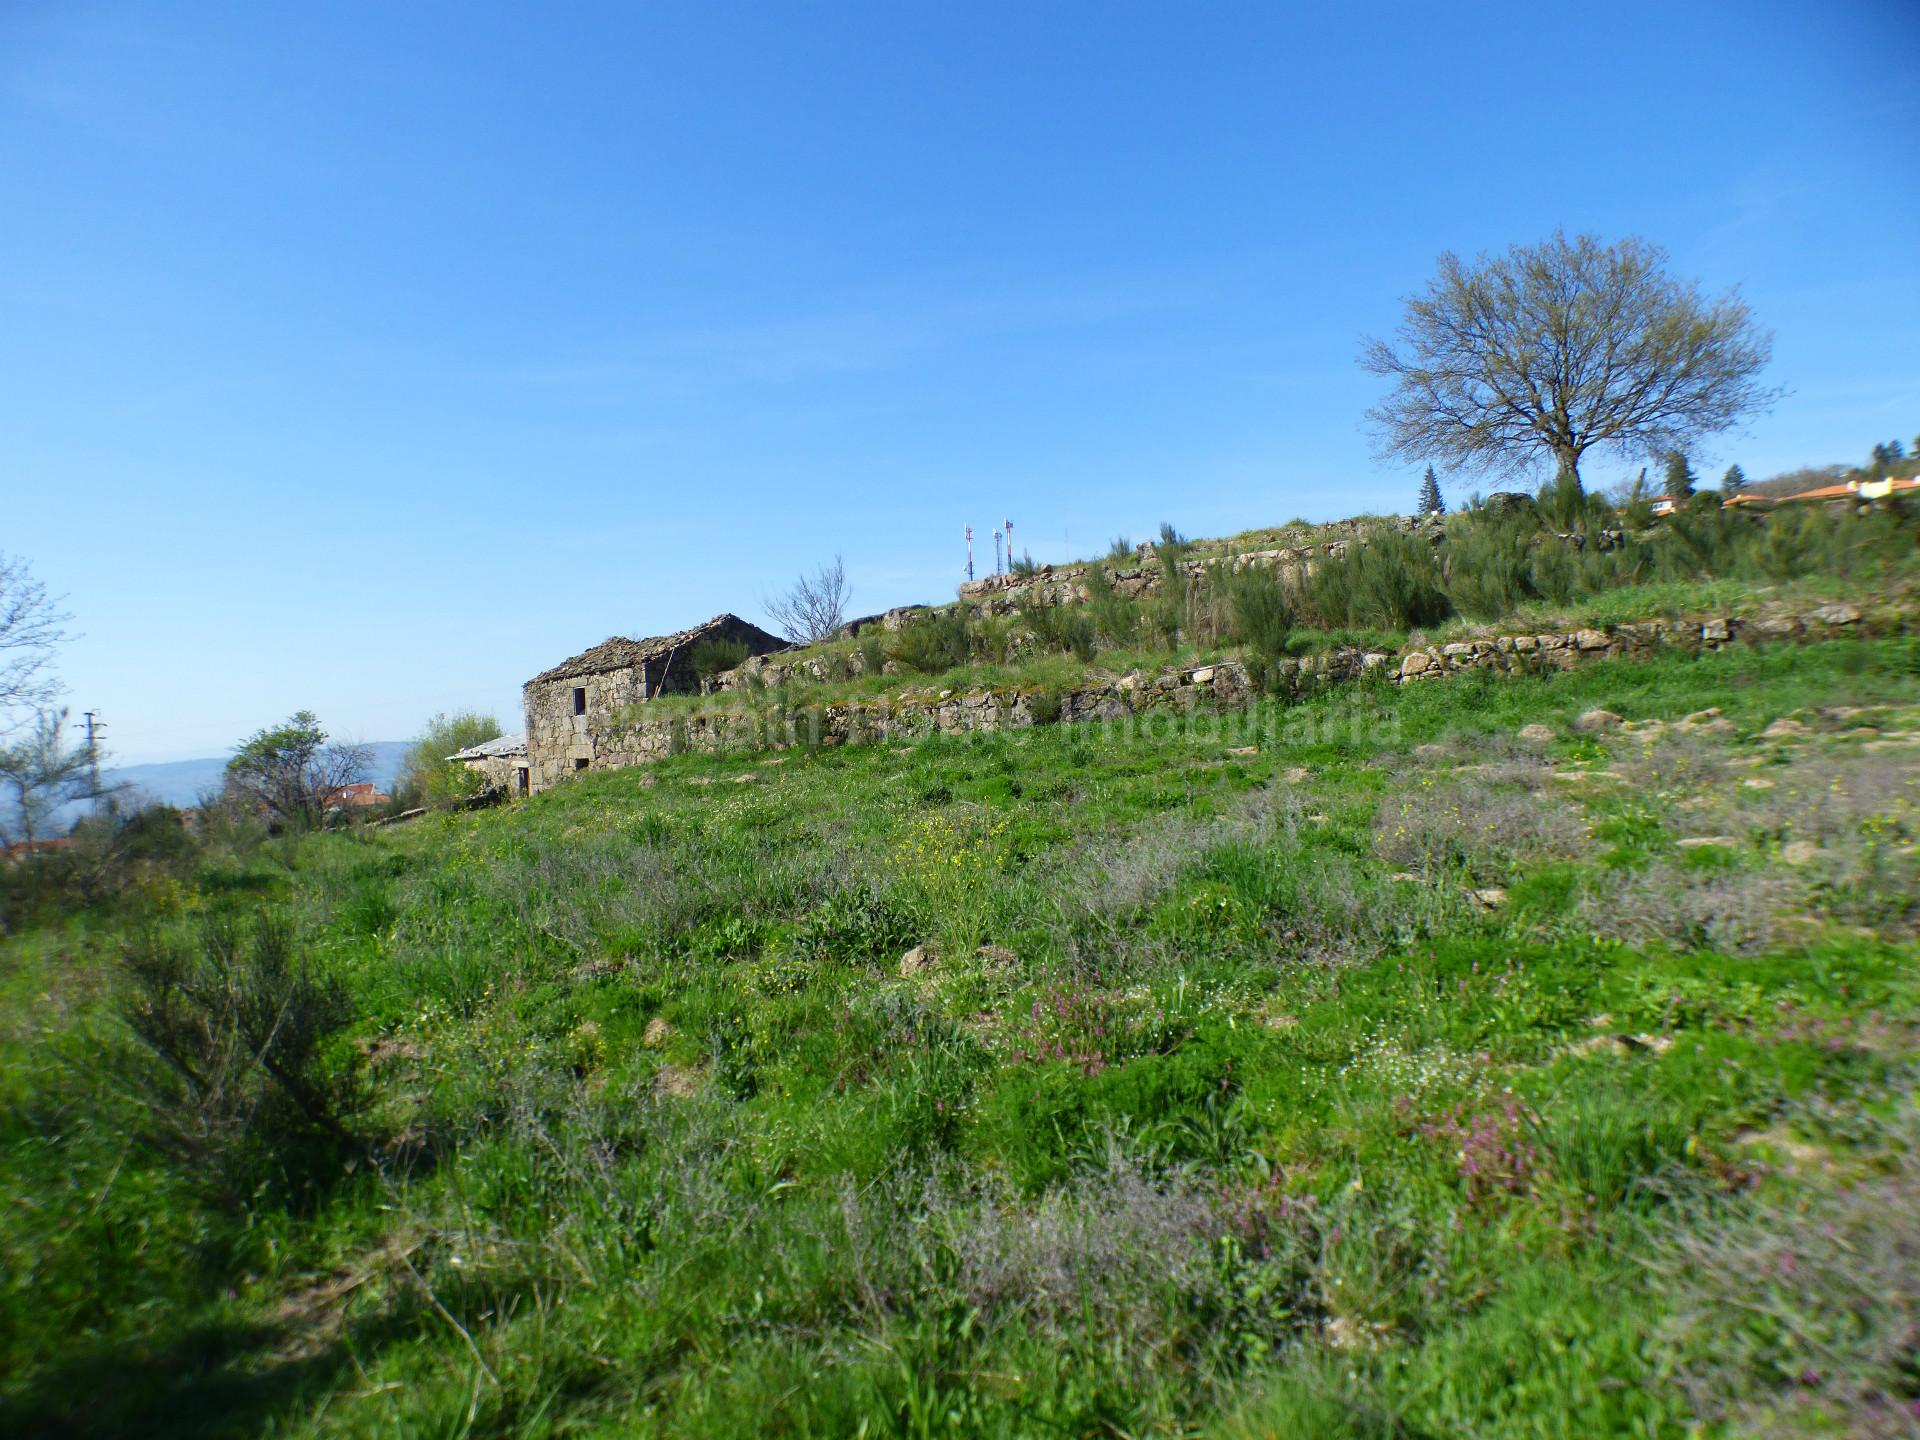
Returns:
(1430, 502)
(291, 770)
(1680, 476)
(1552, 351)
(427, 776)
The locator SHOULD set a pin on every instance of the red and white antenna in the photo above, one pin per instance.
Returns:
(969, 552)
(1009, 525)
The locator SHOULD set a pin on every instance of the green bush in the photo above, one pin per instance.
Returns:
(1116, 619)
(1388, 579)
(241, 1078)
(715, 655)
(1262, 612)
(1485, 562)
(934, 644)
(426, 777)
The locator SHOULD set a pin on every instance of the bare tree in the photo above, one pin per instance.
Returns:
(293, 772)
(31, 625)
(39, 773)
(815, 607)
(1553, 350)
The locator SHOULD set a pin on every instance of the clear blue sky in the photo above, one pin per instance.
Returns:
(372, 357)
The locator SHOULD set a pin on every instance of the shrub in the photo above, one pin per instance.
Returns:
(241, 1077)
(426, 776)
(717, 654)
(1485, 564)
(1389, 579)
(872, 651)
(1065, 628)
(1262, 612)
(1801, 1319)
(934, 644)
(1116, 619)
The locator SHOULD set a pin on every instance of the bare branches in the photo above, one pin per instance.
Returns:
(39, 774)
(1550, 351)
(31, 625)
(815, 607)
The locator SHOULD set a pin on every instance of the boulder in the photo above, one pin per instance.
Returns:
(920, 957)
(1594, 721)
(1800, 852)
(1538, 734)
(1785, 728)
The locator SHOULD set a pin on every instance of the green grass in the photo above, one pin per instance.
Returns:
(1250, 1118)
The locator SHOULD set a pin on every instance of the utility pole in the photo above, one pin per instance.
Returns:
(95, 728)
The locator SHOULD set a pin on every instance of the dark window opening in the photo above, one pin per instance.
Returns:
(580, 700)
(581, 763)
(525, 780)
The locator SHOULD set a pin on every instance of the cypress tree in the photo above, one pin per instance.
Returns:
(1679, 476)
(1430, 502)
(1734, 481)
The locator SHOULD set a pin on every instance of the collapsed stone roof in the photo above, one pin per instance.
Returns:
(617, 652)
(489, 749)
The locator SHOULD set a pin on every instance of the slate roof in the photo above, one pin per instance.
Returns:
(618, 653)
(488, 749)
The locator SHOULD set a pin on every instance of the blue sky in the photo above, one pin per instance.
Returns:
(371, 358)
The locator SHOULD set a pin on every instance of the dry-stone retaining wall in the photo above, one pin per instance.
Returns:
(1223, 685)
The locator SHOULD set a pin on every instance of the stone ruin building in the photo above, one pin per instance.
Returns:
(569, 705)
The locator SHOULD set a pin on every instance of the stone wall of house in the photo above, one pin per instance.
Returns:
(557, 738)
(499, 772)
(1223, 685)
(561, 741)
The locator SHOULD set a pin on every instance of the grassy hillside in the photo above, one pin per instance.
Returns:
(1359, 1067)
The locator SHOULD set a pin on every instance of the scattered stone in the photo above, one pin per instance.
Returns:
(920, 957)
(1643, 727)
(1800, 852)
(1491, 896)
(1538, 734)
(1622, 1044)
(658, 1032)
(598, 969)
(1837, 615)
(1416, 664)
(699, 780)
(1594, 721)
(1756, 782)
(1701, 842)
(1429, 752)
(997, 955)
(1785, 728)
(1317, 819)
(1297, 775)
(747, 779)
(1406, 877)
(1244, 750)
(1282, 1022)
(1700, 717)
(676, 1080)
